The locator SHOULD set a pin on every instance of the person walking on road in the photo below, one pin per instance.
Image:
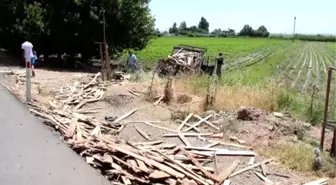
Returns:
(29, 55)
(131, 61)
(220, 62)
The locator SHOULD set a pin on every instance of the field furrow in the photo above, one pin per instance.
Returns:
(316, 70)
(302, 67)
(292, 55)
(242, 63)
(299, 60)
(308, 79)
(321, 60)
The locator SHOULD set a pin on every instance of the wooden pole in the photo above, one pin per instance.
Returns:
(107, 57)
(326, 106)
(102, 60)
(107, 63)
(333, 146)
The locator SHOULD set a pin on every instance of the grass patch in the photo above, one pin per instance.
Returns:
(270, 96)
(300, 157)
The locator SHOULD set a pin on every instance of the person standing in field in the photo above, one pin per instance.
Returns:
(131, 61)
(29, 55)
(219, 62)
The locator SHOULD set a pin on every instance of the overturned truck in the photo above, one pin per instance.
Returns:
(183, 60)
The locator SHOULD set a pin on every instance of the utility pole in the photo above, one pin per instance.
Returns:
(294, 28)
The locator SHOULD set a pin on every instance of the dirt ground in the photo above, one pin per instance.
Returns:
(125, 96)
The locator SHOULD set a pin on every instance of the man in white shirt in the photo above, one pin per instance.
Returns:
(29, 55)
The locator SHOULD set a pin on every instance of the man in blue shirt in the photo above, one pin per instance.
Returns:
(131, 61)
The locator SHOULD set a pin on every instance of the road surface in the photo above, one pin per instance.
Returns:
(32, 154)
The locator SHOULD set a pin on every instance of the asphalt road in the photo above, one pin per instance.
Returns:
(32, 154)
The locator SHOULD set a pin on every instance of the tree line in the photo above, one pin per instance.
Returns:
(74, 26)
(203, 30)
(317, 38)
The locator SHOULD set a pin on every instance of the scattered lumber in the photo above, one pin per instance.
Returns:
(123, 162)
(79, 94)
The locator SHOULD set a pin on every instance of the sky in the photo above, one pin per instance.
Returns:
(312, 16)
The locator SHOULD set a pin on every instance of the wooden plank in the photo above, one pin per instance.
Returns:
(263, 178)
(317, 182)
(184, 122)
(240, 141)
(126, 181)
(220, 151)
(216, 163)
(134, 165)
(95, 131)
(148, 143)
(227, 172)
(198, 165)
(230, 144)
(213, 135)
(160, 127)
(198, 123)
(264, 169)
(142, 133)
(130, 166)
(183, 139)
(194, 128)
(158, 101)
(251, 161)
(250, 167)
(142, 166)
(211, 145)
(225, 152)
(72, 128)
(125, 116)
(156, 174)
(207, 122)
(150, 162)
(227, 182)
(188, 172)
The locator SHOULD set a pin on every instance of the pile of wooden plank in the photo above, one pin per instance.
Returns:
(79, 94)
(131, 163)
(178, 64)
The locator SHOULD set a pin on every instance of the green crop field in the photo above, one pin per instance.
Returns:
(250, 60)
(230, 47)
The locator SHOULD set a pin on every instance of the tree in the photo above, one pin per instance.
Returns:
(231, 32)
(173, 29)
(73, 26)
(246, 31)
(262, 32)
(217, 32)
(203, 24)
(183, 26)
